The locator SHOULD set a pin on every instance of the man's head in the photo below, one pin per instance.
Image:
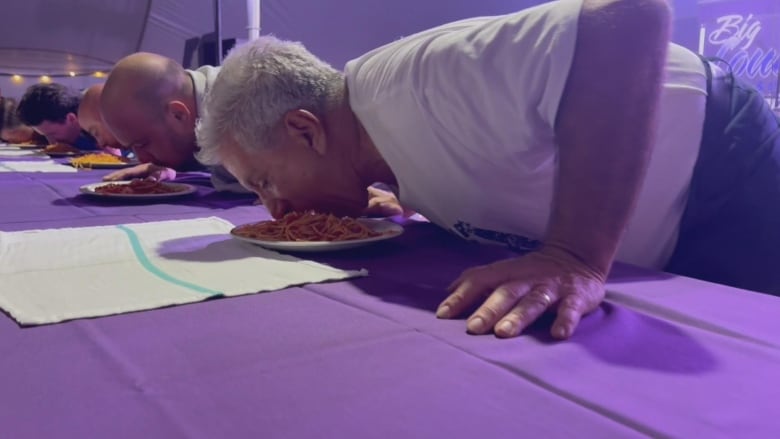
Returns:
(12, 129)
(51, 110)
(148, 105)
(271, 118)
(91, 121)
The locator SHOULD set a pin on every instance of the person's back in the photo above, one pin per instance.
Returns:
(475, 111)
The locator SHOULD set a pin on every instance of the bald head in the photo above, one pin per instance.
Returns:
(148, 104)
(90, 102)
(143, 80)
(91, 120)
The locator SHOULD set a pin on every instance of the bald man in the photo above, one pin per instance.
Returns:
(150, 104)
(91, 121)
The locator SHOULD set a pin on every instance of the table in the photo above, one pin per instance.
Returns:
(664, 356)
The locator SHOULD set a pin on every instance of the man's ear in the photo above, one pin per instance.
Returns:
(71, 118)
(306, 128)
(178, 113)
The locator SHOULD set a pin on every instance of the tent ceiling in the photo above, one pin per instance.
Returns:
(50, 36)
(44, 36)
(54, 37)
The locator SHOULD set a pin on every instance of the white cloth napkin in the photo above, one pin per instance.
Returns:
(9, 152)
(37, 166)
(48, 276)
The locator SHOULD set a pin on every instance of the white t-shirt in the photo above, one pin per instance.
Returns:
(464, 116)
(202, 80)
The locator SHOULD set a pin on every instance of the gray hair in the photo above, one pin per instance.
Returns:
(259, 82)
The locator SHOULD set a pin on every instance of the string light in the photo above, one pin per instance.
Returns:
(51, 77)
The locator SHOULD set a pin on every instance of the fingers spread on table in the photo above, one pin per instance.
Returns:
(526, 310)
(474, 284)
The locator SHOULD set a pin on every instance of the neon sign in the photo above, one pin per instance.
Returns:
(736, 38)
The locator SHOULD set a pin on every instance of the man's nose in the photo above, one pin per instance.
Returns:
(278, 208)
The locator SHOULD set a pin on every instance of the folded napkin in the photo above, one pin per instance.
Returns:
(8, 152)
(48, 276)
(37, 166)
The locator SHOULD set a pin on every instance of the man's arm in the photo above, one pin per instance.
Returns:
(604, 130)
(605, 125)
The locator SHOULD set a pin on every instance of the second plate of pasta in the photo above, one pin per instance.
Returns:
(137, 189)
(101, 161)
(310, 232)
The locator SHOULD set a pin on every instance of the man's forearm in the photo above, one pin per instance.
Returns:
(605, 125)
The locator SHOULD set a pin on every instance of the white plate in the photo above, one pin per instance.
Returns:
(184, 189)
(387, 229)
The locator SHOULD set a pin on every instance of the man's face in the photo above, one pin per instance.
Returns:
(155, 138)
(291, 176)
(67, 131)
(90, 121)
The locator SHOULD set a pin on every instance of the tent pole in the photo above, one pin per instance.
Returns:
(253, 14)
(218, 29)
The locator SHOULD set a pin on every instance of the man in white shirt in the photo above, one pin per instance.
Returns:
(569, 130)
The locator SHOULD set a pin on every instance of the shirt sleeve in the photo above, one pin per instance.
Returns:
(223, 181)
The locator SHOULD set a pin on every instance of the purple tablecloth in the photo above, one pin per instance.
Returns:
(664, 356)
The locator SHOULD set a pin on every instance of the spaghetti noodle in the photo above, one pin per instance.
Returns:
(137, 187)
(307, 226)
(89, 160)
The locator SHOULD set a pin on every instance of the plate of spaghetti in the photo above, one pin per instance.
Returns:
(100, 161)
(316, 232)
(137, 189)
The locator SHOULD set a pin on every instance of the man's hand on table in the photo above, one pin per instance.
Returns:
(521, 289)
(145, 170)
(382, 203)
